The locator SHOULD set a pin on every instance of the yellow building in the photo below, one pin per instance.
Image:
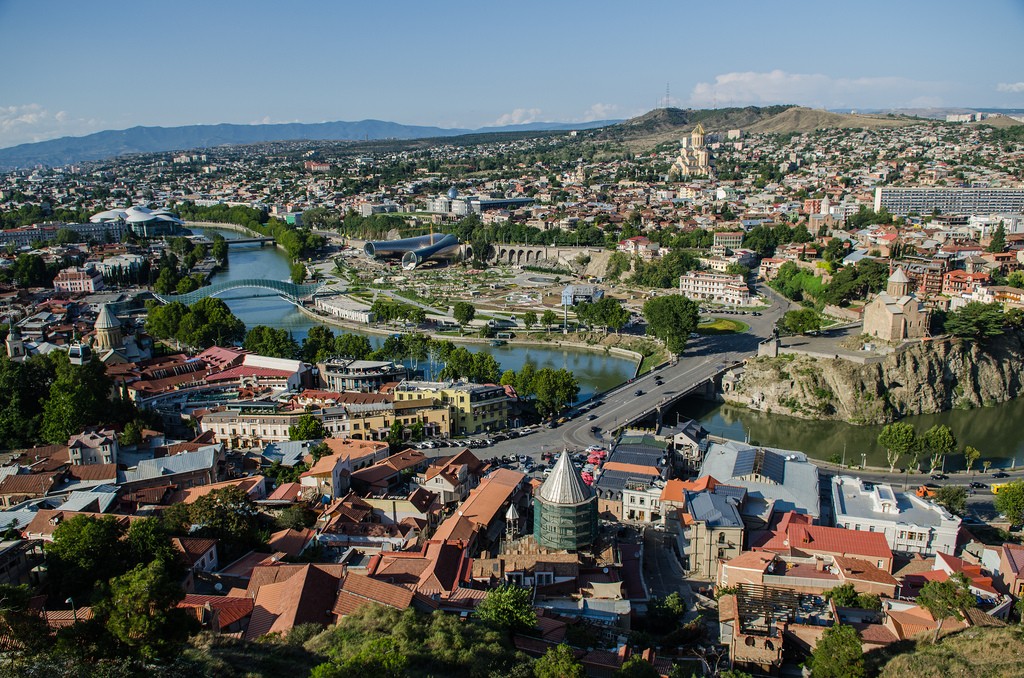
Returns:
(694, 159)
(474, 408)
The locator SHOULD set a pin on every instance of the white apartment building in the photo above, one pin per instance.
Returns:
(910, 524)
(719, 288)
(901, 201)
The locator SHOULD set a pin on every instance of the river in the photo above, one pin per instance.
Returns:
(989, 429)
(595, 371)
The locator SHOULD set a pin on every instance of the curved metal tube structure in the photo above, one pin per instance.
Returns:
(414, 251)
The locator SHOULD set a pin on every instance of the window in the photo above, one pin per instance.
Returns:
(721, 553)
(721, 537)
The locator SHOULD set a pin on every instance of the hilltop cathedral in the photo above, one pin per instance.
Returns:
(694, 158)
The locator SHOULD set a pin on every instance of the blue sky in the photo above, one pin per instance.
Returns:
(77, 67)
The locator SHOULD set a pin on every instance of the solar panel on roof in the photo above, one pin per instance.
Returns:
(744, 464)
(773, 466)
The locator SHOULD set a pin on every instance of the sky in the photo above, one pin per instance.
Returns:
(71, 68)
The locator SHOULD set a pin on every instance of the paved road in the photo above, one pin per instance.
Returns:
(703, 358)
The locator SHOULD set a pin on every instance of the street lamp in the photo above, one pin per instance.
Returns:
(74, 612)
(863, 460)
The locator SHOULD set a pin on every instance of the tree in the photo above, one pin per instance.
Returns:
(559, 662)
(975, 321)
(131, 435)
(553, 389)
(79, 396)
(296, 517)
(998, 242)
(307, 427)
(380, 657)
(898, 439)
(355, 346)
(671, 318)
(508, 607)
(209, 322)
(838, 654)
(985, 465)
(84, 551)
(1009, 501)
(803, 321)
(318, 344)
(140, 610)
(298, 272)
(463, 312)
(953, 497)
(843, 596)
(548, 318)
(971, 455)
(947, 598)
(228, 514)
(22, 623)
(938, 441)
(268, 341)
(637, 667)
(530, 319)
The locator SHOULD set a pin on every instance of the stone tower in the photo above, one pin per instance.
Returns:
(899, 284)
(565, 509)
(108, 330)
(697, 136)
(14, 343)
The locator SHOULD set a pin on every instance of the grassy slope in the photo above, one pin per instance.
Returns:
(989, 652)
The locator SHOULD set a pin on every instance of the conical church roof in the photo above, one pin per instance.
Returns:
(564, 485)
(106, 320)
(899, 276)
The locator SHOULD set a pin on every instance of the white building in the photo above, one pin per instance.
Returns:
(344, 308)
(901, 201)
(910, 524)
(719, 288)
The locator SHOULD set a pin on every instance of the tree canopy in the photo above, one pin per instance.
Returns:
(1010, 501)
(671, 318)
(898, 439)
(949, 598)
(508, 607)
(975, 321)
(838, 654)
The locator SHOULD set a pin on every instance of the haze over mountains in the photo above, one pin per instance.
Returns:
(640, 133)
(112, 143)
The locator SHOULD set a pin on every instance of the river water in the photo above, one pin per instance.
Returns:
(595, 371)
(989, 429)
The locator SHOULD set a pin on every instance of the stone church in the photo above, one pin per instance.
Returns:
(896, 314)
(694, 158)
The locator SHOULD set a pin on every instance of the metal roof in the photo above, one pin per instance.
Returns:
(564, 485)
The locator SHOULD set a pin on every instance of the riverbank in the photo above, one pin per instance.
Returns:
(924, 378)
(231, 227)
(628, 354)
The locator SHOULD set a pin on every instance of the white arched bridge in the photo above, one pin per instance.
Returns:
(289, 290)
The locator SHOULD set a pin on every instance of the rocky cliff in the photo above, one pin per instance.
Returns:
(923, 378)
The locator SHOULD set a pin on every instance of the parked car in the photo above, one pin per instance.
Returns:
(1000, 474)
(940, 476)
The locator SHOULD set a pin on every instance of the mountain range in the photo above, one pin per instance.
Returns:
(112, 143)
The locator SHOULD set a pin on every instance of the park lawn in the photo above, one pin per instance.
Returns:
(722, 326)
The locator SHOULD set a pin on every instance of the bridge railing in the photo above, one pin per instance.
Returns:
(289, 290)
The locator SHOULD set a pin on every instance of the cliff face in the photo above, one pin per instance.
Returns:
(925, 378)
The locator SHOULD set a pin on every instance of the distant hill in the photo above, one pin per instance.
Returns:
(669, 124)
(798, 119)
(112, 143)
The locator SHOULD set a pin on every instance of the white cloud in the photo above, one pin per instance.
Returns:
(813, 89)
(599, 112)
(25, 123)
(519, 116)
(1014, 87)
